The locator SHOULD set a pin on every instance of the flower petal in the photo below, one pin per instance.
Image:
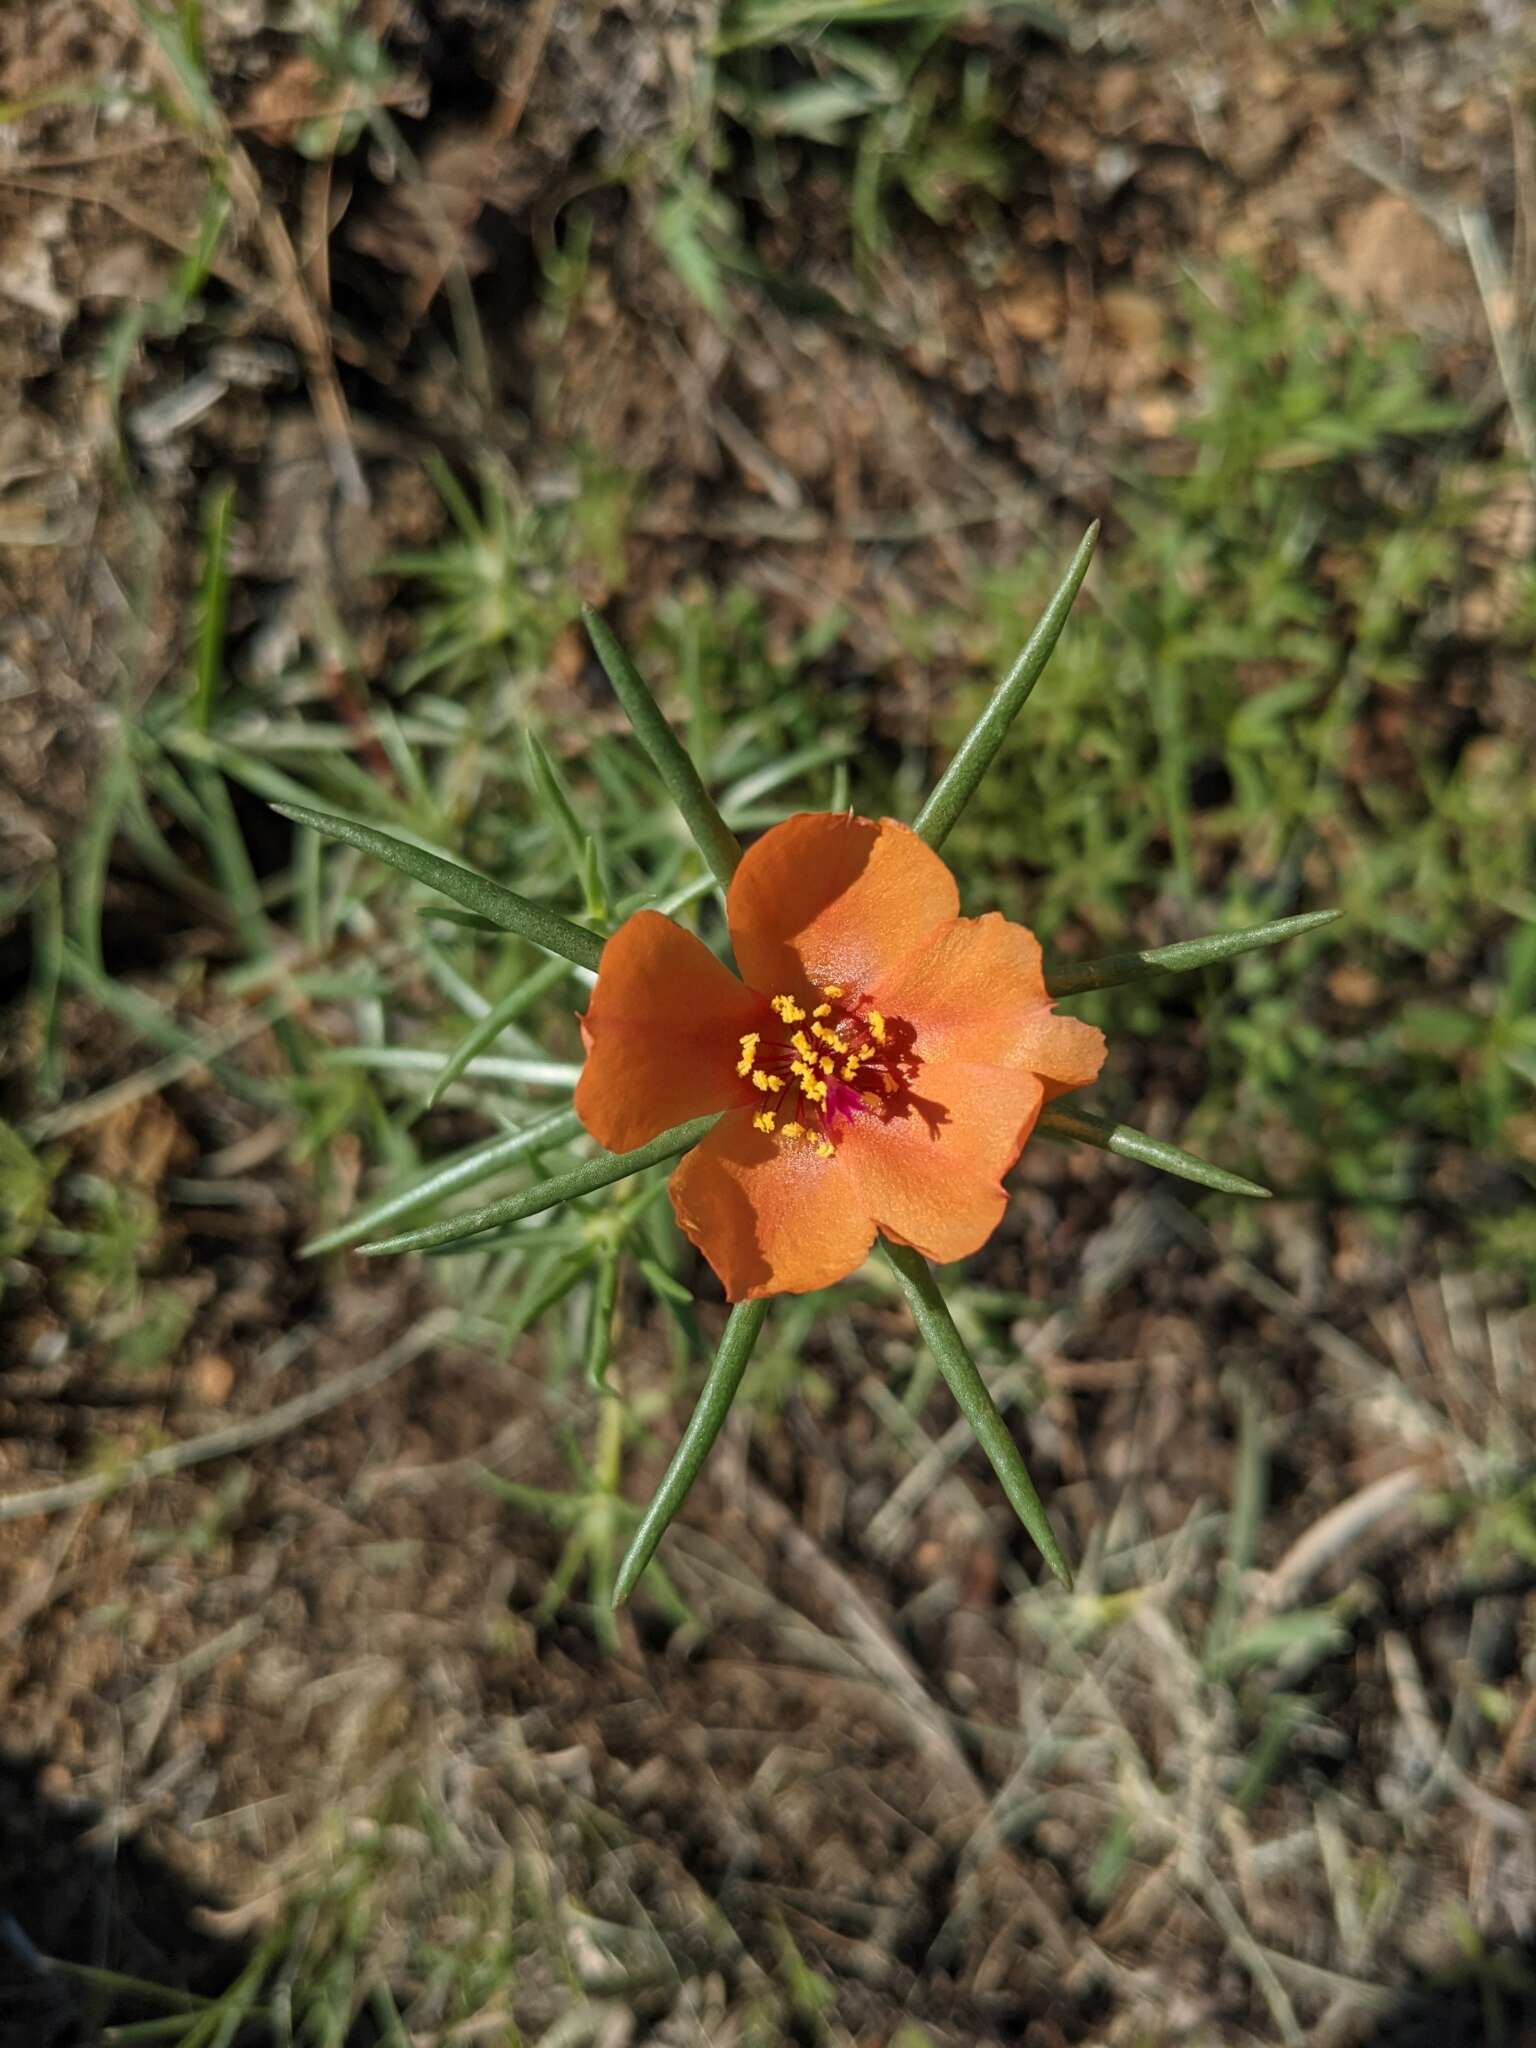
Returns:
(770, 1216)
(662, 1033)
(1064, 1051)
(931, 1175)
(829, 897)
(975, 992)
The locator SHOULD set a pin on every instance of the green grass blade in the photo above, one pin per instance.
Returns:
(1125, 1143)
(510, 912)
(671, 760)
(1118, 968)
(421, 1059)
(85, 895)
(215, 821)
(938, 1331)
(552, 1287)
(450, 1177)
(495, 1021)
(954, 788)
(714, 1404)
(605, 1295)
(549, 787)
(155, 1025)
(215, 605)
(546, 1194)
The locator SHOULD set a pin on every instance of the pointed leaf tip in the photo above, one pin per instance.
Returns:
(1116, 969)
(936, 1325)
(449, 1177)
(1079, 1125)
(956, 786)
(741, 1332)
(585, 1179)
(669, 757)
(504, 907)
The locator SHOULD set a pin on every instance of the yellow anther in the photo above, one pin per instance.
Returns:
(763, 1121)
(749, 1041)
(814, 1091)
(766, 1083)
(830, 988)
(827, 1037)
(793, 1131)
(801, 1044)
(877, 1027)
(787, 1008)
(850, 1068)
(888, 1082)
(827, 1066)
(869, 1099)
(866, 1050)
(822, 1010)
(824, 1148)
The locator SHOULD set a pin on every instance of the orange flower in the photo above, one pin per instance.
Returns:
(881, 1062)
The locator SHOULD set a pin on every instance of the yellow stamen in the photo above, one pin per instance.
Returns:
(822, 1010)
(824, 1148)
(787, 1008)
(850, 1068)
(766, 1083)
(827, 1037)
(877, 1027)
(801, 1044)
(888, 1082)
(793, 1131)
(763, 1121)
(830, 988)
(749, 1041)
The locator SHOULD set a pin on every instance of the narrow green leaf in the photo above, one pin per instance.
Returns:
(510, 912)
(560, 1510)
(664, 1284)
(495, 1021)
(1060, 1122)
(955, 787)
(594, 883)
(546, 1194)
(552, 793)
(420, 1059)
(714, 1404)
(215, 604)
(1305, 1635)
(450, 1177)
(1250, 1489)
(671, 760)
(1117, 968)
(605, 1294)
(549, 787)
(936, 1325)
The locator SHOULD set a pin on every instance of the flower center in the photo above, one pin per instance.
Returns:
(824, 1066)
